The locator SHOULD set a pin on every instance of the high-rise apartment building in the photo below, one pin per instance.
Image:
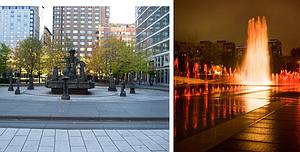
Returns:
(152, 36)
(125, 32)
(78, 27)
(18, 23)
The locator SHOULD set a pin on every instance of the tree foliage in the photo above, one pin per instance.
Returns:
(4, 57)
(28, 54)
(295, 53)
(52, 56)
(117, 57)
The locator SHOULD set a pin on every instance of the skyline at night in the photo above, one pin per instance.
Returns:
(227, 20)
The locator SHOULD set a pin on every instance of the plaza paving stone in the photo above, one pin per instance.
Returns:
(39, 103)
(93, 140)
(279, 131)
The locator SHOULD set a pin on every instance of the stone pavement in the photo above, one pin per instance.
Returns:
(59, 140)
(100, 105)
(278, 131)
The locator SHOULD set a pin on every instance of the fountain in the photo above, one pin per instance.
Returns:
(256, 66)
(76, 83)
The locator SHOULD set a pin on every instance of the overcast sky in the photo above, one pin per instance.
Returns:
(227, 20)
(118, 14)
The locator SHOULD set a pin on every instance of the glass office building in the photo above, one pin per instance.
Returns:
(152, 36)
(18, 23)
(78, 26)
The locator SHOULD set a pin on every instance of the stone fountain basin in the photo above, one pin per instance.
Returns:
(75, 87)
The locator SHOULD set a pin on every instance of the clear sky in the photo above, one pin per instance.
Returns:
(118, 14)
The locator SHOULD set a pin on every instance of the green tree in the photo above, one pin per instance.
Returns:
(29, 54)
(52, 56)
(118, 58)
(4, 57)
(95, 62)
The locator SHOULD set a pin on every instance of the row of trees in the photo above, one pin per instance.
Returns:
(114, 57)
(212, 55)
(118, 58)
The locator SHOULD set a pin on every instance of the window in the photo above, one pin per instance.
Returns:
(75, 37)
(82, 43)
(75, 43)
(89, 49)
(75, 31)
(89, 37)
(82, 37)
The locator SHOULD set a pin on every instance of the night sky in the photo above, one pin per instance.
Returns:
(214, 20)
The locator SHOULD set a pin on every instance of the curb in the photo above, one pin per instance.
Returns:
(84, 118)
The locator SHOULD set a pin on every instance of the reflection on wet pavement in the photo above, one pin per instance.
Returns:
(201, 107)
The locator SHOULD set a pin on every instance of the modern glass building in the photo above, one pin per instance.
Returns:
(78, 26)
(18, 23)
(152, 36)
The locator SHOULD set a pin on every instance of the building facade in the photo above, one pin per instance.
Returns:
(78, 27)
(18, 23)
(46, 38)
(275, 47)
(152, 36)
(125, 32)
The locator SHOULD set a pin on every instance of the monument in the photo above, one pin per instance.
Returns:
(112, 85)
(131, 84)
(10, 87)
(74, 71)
(18, 83)
(123, 92)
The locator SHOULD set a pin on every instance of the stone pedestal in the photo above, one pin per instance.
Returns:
(65, 95)
(10, 87)
(112, 85)
(18, 87)
(132, 90)
(30, 84)
(131, 85)
(123, 92)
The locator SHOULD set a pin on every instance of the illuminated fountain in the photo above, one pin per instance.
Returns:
(256, 66)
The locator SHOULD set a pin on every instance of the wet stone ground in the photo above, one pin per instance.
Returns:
(237, 118)
(280, 131)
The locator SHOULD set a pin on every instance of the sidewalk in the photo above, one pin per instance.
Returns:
(96, 140)
(278, 131)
